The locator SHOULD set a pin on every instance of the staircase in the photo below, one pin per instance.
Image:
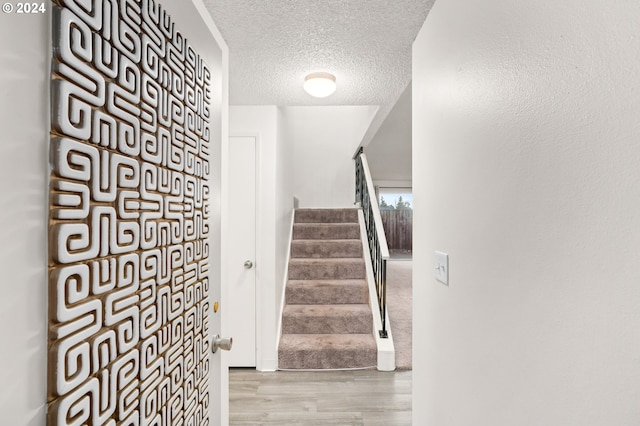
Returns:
(327, 321)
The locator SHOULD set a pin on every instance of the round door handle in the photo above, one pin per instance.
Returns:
(248, 264)
(223, 343)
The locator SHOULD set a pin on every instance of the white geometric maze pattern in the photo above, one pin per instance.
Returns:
(129, 218)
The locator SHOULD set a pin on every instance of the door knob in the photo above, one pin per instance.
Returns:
(248, 264)
(223, 343)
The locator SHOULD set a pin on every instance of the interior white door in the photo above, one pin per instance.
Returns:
(240, 322)
(134, 180)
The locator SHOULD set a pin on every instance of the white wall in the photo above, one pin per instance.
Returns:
(389, 152)
(526, 170)
(24, 115)
(324, 140)
(284, 208)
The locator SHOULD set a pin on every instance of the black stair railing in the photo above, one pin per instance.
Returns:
(366, 198)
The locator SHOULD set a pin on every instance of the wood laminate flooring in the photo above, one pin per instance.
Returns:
(360, 397)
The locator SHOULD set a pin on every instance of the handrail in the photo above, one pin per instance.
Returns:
(377, 241)
(377, 217)
(359, 151)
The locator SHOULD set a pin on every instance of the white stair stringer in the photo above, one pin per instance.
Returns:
(386, 349)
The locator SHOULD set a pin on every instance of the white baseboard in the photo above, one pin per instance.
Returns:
(269, 365)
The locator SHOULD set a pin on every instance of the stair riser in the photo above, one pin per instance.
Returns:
(326, 216)
(326, 249)
(326, 358)
(319, 232)
(337, 271)
(317, 351)
(360, 324)
(326, 295)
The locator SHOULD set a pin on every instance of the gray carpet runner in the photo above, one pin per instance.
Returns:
(326, 321)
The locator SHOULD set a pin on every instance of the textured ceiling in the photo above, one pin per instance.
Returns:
(273, 44)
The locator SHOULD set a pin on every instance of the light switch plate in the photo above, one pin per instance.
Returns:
(442, 267)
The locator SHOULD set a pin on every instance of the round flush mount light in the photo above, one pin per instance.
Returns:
(320, 84)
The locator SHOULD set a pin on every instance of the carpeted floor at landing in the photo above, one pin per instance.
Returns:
(399, 305)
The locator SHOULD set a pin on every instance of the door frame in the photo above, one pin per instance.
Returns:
(259, 240)
(219, 369)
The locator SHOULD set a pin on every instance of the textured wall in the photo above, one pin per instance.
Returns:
(389, 153)
(130, 195)
(525, 170)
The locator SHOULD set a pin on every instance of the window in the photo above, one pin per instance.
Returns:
(396, 209)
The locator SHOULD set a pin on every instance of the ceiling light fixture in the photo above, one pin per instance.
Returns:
(320, 84)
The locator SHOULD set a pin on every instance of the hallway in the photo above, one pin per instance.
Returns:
(357, 397)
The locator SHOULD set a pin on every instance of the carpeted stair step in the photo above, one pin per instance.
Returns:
(326, 231)
(327, 269)
(326, 216)
(322, 351)
(326, 248)
(327, 319)
(326, 292)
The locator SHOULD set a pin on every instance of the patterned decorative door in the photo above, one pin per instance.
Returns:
(129, 267)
